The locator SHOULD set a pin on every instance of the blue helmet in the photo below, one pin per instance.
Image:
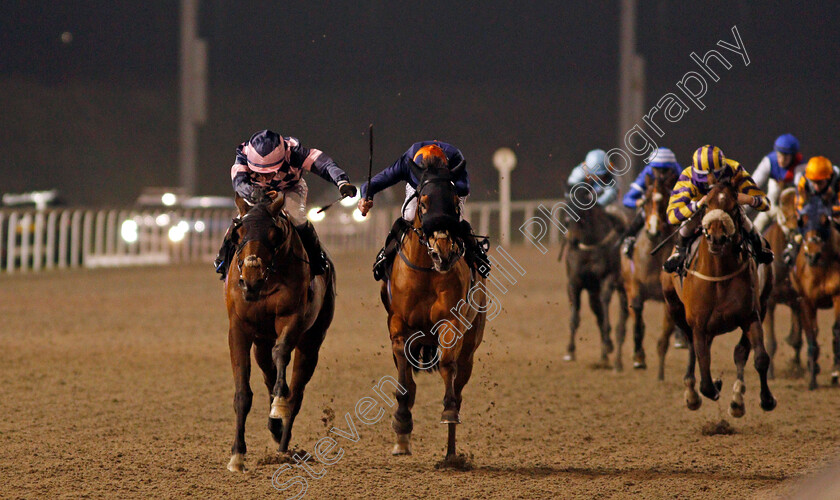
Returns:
(663, 158)
(595, 164)
(786, 144)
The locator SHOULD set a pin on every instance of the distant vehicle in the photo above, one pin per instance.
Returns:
(39, 199)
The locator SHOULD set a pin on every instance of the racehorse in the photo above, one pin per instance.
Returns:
(273, 305)
(640, 273)
(779, 234)
(722, 290)
(436, 304)
(816, 276)
(593, 264)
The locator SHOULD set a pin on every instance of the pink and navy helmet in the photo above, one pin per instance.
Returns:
(265, 151)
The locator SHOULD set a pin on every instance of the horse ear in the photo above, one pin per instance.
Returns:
(277, 204)
(459, 168)
(242, 205)
(416, 170)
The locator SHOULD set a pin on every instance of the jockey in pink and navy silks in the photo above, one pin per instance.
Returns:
(276, 163)
(400, 171)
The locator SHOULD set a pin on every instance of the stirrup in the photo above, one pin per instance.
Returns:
(379, 265)
(674, 262)
(628, 245)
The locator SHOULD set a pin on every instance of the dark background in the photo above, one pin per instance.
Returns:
(97, 117)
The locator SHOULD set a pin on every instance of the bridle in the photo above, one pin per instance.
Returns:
(430, 250)
(271, 267)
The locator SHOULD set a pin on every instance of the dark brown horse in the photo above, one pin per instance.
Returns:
(274, 307)
(779, 234)
(593, 264)
(722, 290)
(640, 274)
(816, 276)
(436, 305)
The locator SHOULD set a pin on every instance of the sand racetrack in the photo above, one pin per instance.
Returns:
(118, 383)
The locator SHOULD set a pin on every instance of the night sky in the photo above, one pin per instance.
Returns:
(97, 116)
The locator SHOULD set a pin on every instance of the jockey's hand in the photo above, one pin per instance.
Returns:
(703, 201)
(745, 199)
(365, 206)
(347, 190)
(640, 202)
(272, 195)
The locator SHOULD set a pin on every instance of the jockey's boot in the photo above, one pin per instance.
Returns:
(386, 255)
(225, 255)
(675, 261)
(763, 254)
(317, 261)
(475, 253)
(629, 238)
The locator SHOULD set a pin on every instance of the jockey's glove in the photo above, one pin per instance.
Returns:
(347, 190)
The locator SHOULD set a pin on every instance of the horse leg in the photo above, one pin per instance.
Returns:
(240, 360)
(770, 336)
(742, 353)
(809, 323)
(692, 399)
(281, 354)
(702, 342)
(574, 291)
(306, 359)
(795, 337)
(262, 353)
(599, 303)
(835, 342)
(762, 363)
(638, 334)
(620, 329)
(662, 343)
(402, 423)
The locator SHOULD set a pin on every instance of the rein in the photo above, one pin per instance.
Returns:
(271, 268)
(731, 275)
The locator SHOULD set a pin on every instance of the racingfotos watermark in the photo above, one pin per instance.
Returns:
(693, 86)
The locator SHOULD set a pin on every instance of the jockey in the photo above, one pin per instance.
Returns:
(400, 171)
(775, 173)
(821, 179)
(594, 172)
(662, 160)
(276, 163)
(689, 195)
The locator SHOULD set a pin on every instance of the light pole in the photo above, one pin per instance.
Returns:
(193, 93)
(504, 159)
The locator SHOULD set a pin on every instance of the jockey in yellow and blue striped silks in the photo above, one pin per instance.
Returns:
(709, 166)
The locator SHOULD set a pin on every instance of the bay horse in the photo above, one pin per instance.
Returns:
(593, 264)
(273, 306)
(723, 289)
(436, 304)
(640, 273)
(781, 231)
(816, 276)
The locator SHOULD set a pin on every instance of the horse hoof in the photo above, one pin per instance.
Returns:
(812, 385)
(679, 344)
(450, 417)
(280, 409)
(692, 401)
(835, 377)
(736, 410)
(618, 367)
(569, 357)
(640, 365)
(237, 463)
(718, 385)
(769, 404)
(402, 446)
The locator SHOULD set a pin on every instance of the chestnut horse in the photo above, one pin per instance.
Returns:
(640, 274)
(593, 264)
(722, 290)
(816, 276)
(779, 234)
(273, 306)
(436, 304)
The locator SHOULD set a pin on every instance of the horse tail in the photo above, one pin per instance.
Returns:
(426, 354)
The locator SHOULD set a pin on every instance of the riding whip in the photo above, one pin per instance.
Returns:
(370, 168)
(666, 240)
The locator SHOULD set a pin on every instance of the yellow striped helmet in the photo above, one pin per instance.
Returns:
(708, 160)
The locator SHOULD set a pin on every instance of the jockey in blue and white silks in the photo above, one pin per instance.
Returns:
(777, 171)
(594, 172)
(661, 162)
(276, 163)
